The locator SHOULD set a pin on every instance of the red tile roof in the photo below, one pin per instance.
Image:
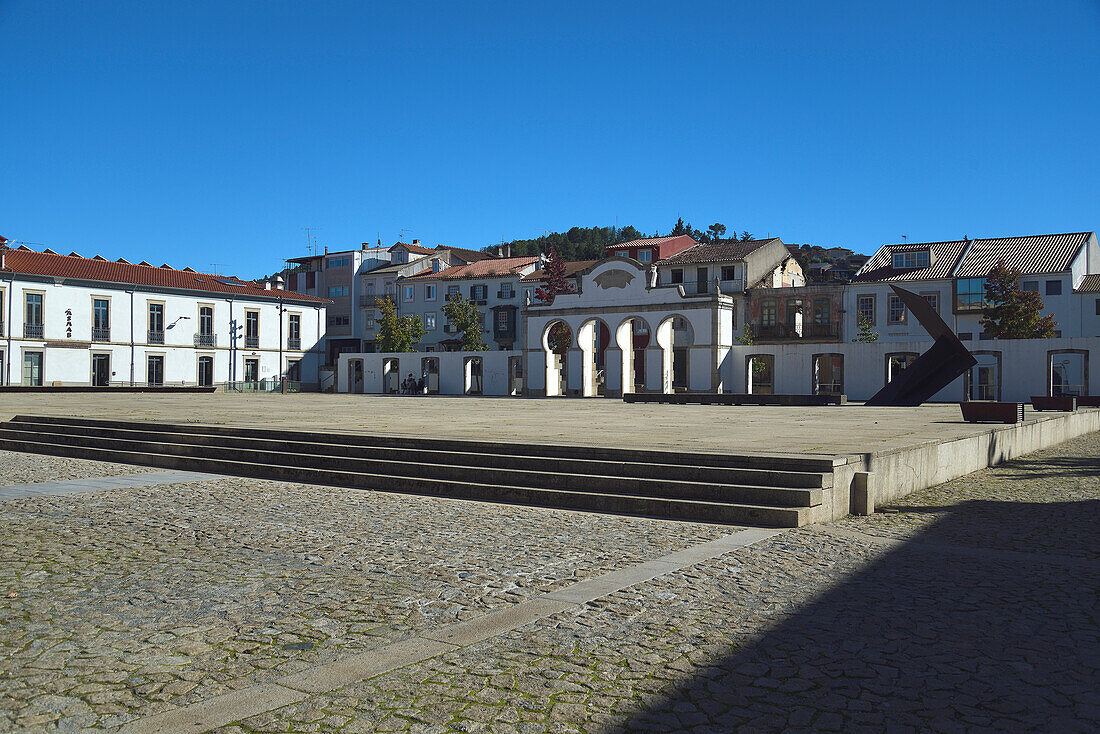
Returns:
(469, 256)
(717, 253)
(650, 242)
(28, 262)
(495, 267)
(415, 248)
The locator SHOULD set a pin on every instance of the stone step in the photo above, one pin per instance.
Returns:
(533, 476)
(480, 460)
(807, 464)
(674, 508)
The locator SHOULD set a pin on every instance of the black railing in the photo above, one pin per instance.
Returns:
(250, 342)
(823, 331)
(504, 295)
(101, 334)
(155, 337)
(293, 343)
(206, 340)
(33, 331)
(788, 331)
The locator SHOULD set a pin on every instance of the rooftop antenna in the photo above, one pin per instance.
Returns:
(403, 231)
(214, 268)
(905, 238)
(311, 239)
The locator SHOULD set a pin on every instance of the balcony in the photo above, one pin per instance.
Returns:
(367, 301)
(155, 337)
(205, 340)
(33, 331)
(294, 343)
(250, 342)
(788, 331)
(822, 331)
(695, 288)
(100, 334)
(506, 295)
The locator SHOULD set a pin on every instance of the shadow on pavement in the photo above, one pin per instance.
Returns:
(924, 639)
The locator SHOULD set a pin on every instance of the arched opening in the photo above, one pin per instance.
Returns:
(828, 377)
(515, 376)
(983, 380)
(898, 362)
(760, 374)
(675, 337)
(1067, 372)
(632, 337)
(557, 339)
(391, 376)
(429, 373)
(593, 338)
(474, 384)
(355, 376)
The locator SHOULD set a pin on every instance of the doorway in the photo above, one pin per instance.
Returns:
(252, 370)
(206, 371)
(429, 370)
(101, 370)
(32, 369)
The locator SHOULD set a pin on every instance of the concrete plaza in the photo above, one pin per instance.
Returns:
(830, 430)
(145, 601)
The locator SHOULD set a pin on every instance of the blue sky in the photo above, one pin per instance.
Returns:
(198, 133)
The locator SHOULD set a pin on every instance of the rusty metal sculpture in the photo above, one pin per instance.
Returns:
(934, 370)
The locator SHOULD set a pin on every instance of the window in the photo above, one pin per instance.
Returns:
(822, 311)
(338, 320)
(311, 280)
(729, 272)
(206, 320)
(767, 312)
(408, 293)
(339, 262)
(676, 275)
(1098, 306)
(933, 300)
(1054, 287)
(506, 290)
(1031, 285)
(429, 293)
(479, 292)
(502, 320)
(1067, 372)
(983, 380)
(645, 256)
(154, 371)
(156, 323)
(335, 291)
(32, 316)
(970, 294)
(429, 321)
(452, 292)
(966, 335)
(101, 320)
(896, 314)
(865, 308)
(370, 289)
(911, 260)
(252, 370)
(294, 331)
(251, 329)
(32, 369)
(760, 374)
(370, 323)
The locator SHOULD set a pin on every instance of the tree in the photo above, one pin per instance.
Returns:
(396, 333)
(747, 237)
(467, 319)
(867, 333)
(716, 231)
(553, 279)
(746, 336)
(1011, 313)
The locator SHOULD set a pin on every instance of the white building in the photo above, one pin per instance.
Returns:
(71, 320)
(951, 276)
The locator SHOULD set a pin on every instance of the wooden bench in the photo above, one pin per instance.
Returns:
(1066, 403)
(977, 411)
(1088, 401)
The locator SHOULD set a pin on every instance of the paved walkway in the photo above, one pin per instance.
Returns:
(68, 486)
(269, 607)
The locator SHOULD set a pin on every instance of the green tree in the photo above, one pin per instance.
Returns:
(746, 336)
(867, 333)
(716, 231)
(747, 236)
(1011, 313)
(467, 319)
(396, 333)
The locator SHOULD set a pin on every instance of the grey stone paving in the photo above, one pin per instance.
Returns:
(16, 468)
(69, 486)
(970, 606)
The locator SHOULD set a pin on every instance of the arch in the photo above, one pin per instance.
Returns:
(593, 338)
(983, 380)
(675, 336)
(632, 336)
(760, 374)
(828, 373)
(1067, 372)
(557, 340)
(474, 383)
(897, 362)
(391, 375)
(429, 372)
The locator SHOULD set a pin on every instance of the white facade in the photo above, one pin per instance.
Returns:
(66, 350)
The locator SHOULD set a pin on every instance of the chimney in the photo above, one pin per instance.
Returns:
(267, 285)
(277, 281)
(508, 250)
(416, 242)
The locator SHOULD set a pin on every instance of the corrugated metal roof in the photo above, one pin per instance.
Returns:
(29, 262)
(1033, 255)
(1091, 284)
(717, 253)
(495, 267)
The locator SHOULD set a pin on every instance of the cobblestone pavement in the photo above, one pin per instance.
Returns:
(972, 607)
(16, 468)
